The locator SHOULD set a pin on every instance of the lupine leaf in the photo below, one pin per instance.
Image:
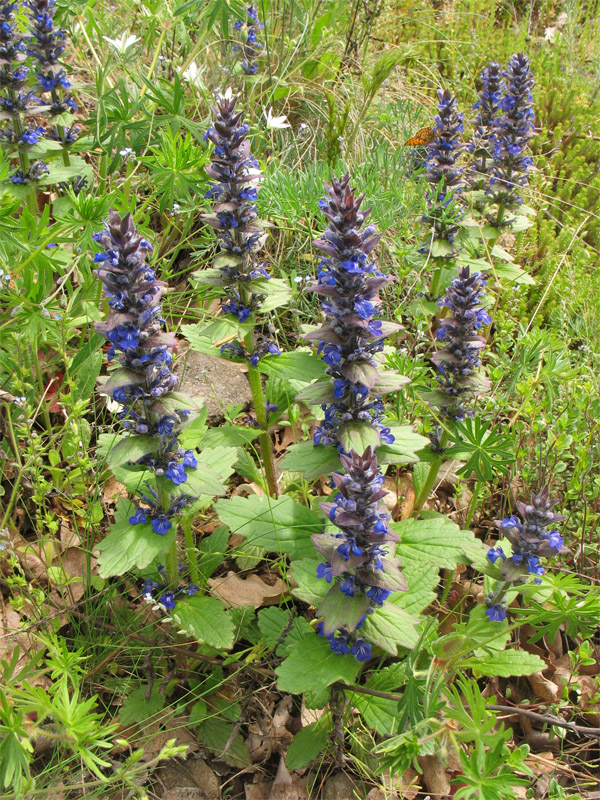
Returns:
(312, 666)
(206, 619)
(127, 546)
(278, 526)
(310, 460)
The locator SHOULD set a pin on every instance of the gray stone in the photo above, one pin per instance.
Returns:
(214, 381)
(341, 787)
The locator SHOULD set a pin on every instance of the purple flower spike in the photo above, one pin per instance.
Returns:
(530, 541)
(512, 132)
(459, 363)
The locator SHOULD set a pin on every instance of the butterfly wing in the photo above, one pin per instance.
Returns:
(421, 138)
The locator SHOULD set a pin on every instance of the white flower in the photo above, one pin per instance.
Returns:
(276, 122)
(123, 44)
(193, 75)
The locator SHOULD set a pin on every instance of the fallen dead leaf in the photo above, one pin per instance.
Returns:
(270, 734)
(545, 689)
(113, 490)
(250, 591)
(287, 786)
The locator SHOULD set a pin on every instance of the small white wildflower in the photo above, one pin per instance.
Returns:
(123, 44)
(176, 209)
(20, 401)
(276, 122)
(193, 75)
(303, 130)
(298, 279)
(127, 154)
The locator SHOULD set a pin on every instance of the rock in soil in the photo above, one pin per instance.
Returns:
(215, 382)
(192, 779)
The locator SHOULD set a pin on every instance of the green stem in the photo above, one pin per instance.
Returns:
(102, 174)
(264, 440)
(190, 550)
(473, 504)
(171, 563)
(40, 382)
(434, 468)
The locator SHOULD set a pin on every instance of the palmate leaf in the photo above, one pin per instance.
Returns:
(486, 451)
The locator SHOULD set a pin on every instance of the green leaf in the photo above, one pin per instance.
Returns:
(203, 479)
(273, 621)
(298, 364)
(512, 273)
(358, 436)
(216, 734)
(277, 293)
(309, 588)
(213, 549)
(316, 393)
(390, 626)
(309, 743)
(422, 578)
(127, 546)
(311, 460)
(404, 448)
(441, 248)
(340, 611)
(278, 526)
(379, 713)
(505, 663)
(206, 619)
(136, 707)
(131, 449)
(312, 666)
(389, 381)
(229, 436)
(435, 540)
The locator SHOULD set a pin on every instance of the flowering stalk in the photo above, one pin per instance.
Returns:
(144, 385)
(357, 559)
(250, 46)
(351, 337)
(445, 180)
(16, 101)
(46, 46)
(238, 271)
(460, 377)
(511, 135)
(488, 111)
(530, 541)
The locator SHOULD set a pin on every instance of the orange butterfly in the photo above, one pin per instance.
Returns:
(422, 137)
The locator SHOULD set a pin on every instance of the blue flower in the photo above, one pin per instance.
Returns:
(496, 612)
(138, 517)
(361, 649)
(161, 524)
(324, 571)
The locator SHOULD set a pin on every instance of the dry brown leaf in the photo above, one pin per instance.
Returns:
(544, 689)
(13, 635)
(286, 786)
(310, 715)
(250, 591)
(434, 775)
(113, 490)
(270, 734)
